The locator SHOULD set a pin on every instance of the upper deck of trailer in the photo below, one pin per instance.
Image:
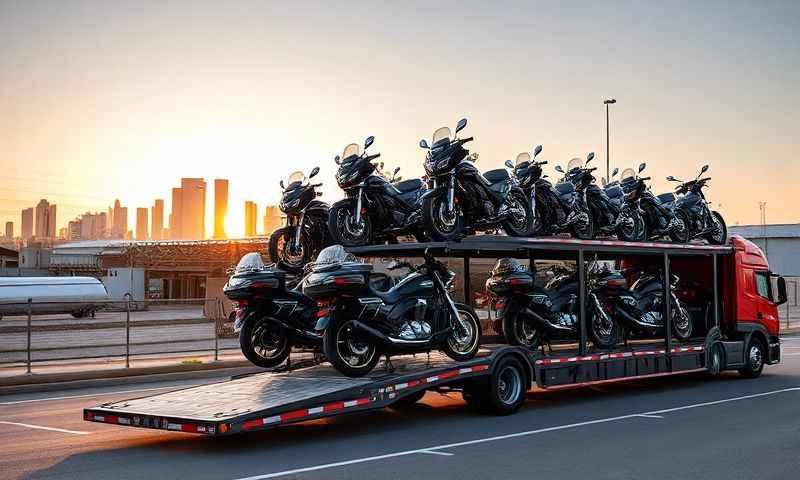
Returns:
(494, 245)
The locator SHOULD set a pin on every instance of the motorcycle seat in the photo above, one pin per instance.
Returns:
(668, 197)
(496, 176)
(408, 185)
(388, 297)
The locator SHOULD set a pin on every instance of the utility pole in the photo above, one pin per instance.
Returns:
(608, 161)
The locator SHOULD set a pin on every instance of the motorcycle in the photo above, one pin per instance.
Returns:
(701, 221)
(362, 323)
(531, 315)
(660, 219)
(270, 317)
(461, 200)
(306, 231)
(640, 308)
(607, 217)
(375, 208)
(554, 210)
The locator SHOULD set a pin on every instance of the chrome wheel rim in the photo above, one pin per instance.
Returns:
(289, 255)
(755, 357)
(355, 352)
(266, 344)
(509, 385)
(518, 222)
(349, 229)
(445, 220)
(526, 333)
(464, 336)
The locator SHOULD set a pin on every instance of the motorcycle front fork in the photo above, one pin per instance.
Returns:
(357, 213)
(298, 231)
(451, 193)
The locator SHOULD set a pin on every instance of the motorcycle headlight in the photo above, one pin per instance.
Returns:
(289, 205)
(238, 282)
(346, 178)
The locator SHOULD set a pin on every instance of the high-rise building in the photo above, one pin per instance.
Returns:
(175, 216)
(220, 206)
(9, 230)
(45, 220)
(26, 230)
(272, 219)
(250, 218)
(120, 220)
(74, 229)
(157, 220)
(141, 224)
(189, 210)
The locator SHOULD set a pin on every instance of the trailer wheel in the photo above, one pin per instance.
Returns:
(503, 394)
(754, 358)
(408, 400)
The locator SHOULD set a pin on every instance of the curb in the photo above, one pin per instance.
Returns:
(53, 382)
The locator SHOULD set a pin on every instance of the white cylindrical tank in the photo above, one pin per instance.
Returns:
(76, 295)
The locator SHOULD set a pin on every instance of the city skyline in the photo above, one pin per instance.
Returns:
(120, 89)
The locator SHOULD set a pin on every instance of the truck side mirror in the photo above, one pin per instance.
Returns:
(782, 297)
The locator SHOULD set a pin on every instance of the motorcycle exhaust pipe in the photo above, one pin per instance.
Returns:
(384, 339)
(286, 329)
(546, 325)
(635, 321)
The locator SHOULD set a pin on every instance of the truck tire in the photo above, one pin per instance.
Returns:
(716, 360)
(408, 400)
(754, 355)
(503, 394)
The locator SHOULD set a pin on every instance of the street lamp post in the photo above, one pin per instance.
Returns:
(608, 161)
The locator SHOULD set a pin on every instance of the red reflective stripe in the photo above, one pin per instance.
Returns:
(332, 407)
(362, 401)
(480, 368)
(285, 417)
(451, 373)
(253, 423)
(188, 427)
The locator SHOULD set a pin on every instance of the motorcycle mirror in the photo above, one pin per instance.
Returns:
(398, 178)
(281, 182)
(509, 164)
(671, 179)
(559, 169)
(313, 172)
(337, 159)
(380, 166)
(590, 157)
(397, 169)
(424, 144)
(461, 124)
(603, 181)
(704, 169)
(537, 150)
(369, 141)
(615, 172)
(641, 167)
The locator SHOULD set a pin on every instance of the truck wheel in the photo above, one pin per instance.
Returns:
(503, 394)
(263, 347)
(716, 360)
(408, 400)
(755, 354)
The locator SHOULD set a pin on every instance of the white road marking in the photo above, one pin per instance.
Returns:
(649, 416)
(508, 436)
(67, 397)
(791, 354)
(433, 452)
(40, 427)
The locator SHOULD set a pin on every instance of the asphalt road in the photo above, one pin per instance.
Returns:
(689, 426)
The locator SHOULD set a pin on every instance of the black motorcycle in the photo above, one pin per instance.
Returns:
(306, 230)
(640, 308)
(375, 208)
(460, 200)
(269, 316)
(554, 210)
(661, 219)
(531, 315)
(607, 217)
(702, 222)
(362, 323)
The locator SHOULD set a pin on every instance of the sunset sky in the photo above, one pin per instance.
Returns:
(108, 99)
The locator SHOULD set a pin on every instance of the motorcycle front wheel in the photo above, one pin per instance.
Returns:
(636, 232)
(345, 230)
(349, 352)
(680, 234)
(604, 332)
(516, 225)
(264, 347)
(585, 231)
(720, 234)
(464, 341)
(521, 331)
(288, 257)
(681, 321)
(441, 223)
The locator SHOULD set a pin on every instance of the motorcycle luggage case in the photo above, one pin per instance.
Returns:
(520, 282)
(340, 279)
(247, 284)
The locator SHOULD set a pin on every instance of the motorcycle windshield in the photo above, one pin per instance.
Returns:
(523, 157)
(574, 163)
(440, 137)
(297, 177)
(334, 254)
(628, 174)
(351, 150)
(249, 263)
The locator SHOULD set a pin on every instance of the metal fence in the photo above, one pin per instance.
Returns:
(790, 311)
(120, 330)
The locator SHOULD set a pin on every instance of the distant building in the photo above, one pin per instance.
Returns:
(272, 219)
(779, 242)
(45, 221)
(189, 210)
(26, 231)
(8, 258)
(220, 207)
(157, 220)
(250, 218)
(175, 216)
(9, 230)
(73, 232)
(141, 224)
(120, 220)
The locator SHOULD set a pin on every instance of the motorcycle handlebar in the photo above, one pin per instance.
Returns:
(465, 140)
(542, 163)
(373, 157)
(644, 178)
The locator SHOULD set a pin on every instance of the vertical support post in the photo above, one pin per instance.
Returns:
(217, 321)
(667, 308)
(716, 317)
(128, 332)
(582, 327)
(467, 283)
(30, 313)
